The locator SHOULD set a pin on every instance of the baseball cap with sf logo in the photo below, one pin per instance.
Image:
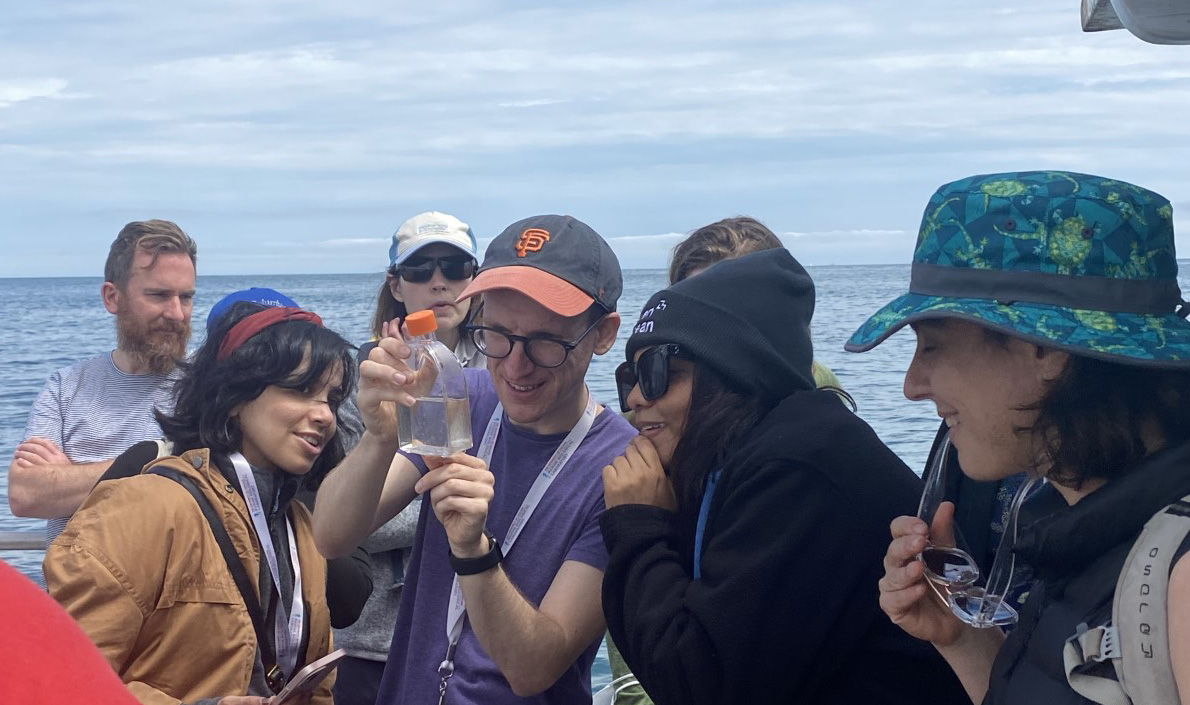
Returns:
(556, 260)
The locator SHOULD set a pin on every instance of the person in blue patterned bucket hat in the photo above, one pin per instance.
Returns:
(1052, 341)
(1078, 262)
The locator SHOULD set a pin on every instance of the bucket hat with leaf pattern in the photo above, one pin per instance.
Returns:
(1081, 263)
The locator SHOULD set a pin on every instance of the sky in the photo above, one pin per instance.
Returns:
(294, 136)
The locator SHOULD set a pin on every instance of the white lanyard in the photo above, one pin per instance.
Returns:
(287, 631)
(550, 472)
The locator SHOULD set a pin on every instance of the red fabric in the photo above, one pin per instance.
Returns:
(251, 325)
(44, 657)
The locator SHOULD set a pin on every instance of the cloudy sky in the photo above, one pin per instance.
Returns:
(295, 135)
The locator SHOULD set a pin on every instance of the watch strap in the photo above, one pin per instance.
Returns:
(478, 564)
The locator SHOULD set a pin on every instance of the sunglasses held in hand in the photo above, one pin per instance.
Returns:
(952, 573)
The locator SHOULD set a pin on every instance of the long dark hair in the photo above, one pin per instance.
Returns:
(719, 418)
(209, 389)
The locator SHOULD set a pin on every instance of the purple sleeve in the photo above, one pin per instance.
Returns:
(589, 547)
(417, 460)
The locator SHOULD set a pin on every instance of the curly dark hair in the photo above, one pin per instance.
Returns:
(209, 388)
(1095, 419)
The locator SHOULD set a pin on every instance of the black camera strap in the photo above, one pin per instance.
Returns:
(273, 675)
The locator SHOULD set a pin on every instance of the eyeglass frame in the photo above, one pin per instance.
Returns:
(993, 610)
(399, 270)
(525, 340)
(666, 350)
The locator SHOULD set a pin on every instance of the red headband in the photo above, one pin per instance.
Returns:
(251, 325)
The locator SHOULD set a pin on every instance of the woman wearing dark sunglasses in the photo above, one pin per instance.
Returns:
(746, 523)
(431, 260)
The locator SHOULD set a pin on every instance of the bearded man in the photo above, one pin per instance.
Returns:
(90, 412)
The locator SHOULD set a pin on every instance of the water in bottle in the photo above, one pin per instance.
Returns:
(440, 422)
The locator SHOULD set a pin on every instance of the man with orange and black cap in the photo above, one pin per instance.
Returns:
(502, 593)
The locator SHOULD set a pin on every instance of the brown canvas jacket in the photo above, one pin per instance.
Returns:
(139, 570)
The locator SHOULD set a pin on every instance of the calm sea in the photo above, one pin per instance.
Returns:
(51, 323)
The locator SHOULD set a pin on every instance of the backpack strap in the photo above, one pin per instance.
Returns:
(1136, 641)
(273, 675)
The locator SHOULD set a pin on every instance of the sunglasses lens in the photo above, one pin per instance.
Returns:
(949, 566)
(968, 606)
(625, 381)
(457, 269)
(417, 272)
(652, 369)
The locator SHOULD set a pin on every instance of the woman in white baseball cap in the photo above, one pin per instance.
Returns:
(431, 260)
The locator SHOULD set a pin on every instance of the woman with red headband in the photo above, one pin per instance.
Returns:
(198, 579)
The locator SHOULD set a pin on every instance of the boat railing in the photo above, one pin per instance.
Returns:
(22, 540)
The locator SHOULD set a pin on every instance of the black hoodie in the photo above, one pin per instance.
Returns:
(786, 609)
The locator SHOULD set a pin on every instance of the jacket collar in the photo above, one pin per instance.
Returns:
(1063, 542)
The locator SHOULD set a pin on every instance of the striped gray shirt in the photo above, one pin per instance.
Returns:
(94, 412)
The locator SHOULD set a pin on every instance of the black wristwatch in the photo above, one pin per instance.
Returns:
(479, 564)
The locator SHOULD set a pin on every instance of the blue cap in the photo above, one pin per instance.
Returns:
(256, 295)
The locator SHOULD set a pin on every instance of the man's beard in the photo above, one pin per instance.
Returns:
(157, 347)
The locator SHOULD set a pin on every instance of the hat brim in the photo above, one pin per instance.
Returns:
(554, 293)
(413, 249)
(1128, 338)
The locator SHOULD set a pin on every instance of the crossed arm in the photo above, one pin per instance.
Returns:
(44, 484)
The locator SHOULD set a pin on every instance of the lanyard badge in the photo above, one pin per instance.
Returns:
(287, 629)
(457, 607)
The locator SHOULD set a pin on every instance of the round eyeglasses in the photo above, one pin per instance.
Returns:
(541, 350)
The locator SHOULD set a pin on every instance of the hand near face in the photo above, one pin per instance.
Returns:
(460, 487)
(905, 596)
(637, 477)
(39, 451)
(386, 380)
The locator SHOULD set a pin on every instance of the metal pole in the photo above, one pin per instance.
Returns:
(22, 540)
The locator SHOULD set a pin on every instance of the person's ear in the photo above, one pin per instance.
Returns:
(605, 333)
(110, 294)
(1051, 362)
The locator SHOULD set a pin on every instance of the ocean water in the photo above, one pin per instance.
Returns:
(51, 323)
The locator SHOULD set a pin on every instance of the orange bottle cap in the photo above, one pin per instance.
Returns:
(421, 322)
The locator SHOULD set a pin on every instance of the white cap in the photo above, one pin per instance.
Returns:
(426, 229)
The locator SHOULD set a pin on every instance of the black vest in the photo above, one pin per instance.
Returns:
(1077, 554)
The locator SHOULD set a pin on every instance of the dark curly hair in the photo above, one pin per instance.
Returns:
(209, 389)
(1099, 418)
(1095, 419)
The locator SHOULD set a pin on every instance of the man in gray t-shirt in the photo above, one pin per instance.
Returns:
(90, 412)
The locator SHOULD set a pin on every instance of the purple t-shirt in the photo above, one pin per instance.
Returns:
(564, 527)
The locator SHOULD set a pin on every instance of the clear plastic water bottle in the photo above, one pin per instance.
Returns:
(440, 422)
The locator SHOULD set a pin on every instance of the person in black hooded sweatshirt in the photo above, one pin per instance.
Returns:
(747, 523)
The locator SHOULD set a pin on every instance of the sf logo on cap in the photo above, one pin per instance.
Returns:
(531, 240)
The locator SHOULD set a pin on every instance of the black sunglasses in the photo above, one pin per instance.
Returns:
(419, 270)
(650, 371)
